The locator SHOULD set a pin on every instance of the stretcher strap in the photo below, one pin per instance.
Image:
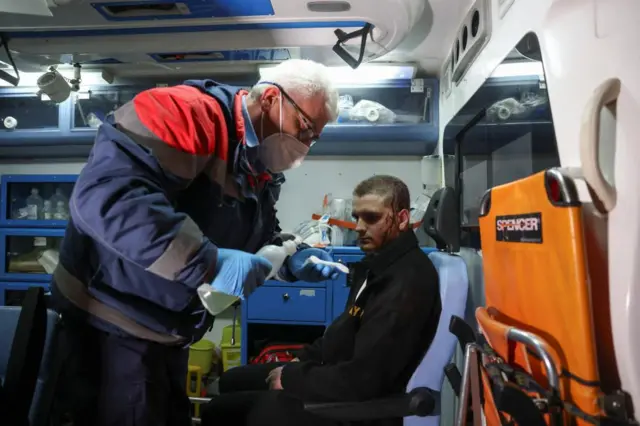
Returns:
(495, 369)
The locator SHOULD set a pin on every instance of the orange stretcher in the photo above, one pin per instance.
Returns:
(537, 341)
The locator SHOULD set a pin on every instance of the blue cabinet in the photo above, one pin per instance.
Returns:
(33, 215)
(30, 254)
(13, 293)
(288, 303)
(398, 117)
(513, 107)
(26, 119)
(35, 200)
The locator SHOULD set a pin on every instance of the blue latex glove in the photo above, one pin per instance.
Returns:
(239, 273)
(311, 272)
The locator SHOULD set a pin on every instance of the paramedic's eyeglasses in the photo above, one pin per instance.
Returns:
(307, 135)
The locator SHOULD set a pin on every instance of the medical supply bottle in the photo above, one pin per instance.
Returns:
(216, 302)
(34, 205)
(47, 210)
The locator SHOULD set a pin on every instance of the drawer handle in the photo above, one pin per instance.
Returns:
(285, 297)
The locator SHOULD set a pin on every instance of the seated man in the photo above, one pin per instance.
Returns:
(372, 349)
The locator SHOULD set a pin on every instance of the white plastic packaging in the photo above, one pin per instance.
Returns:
(372, 112)
(278, 254)
(317, 261)
(216, 302)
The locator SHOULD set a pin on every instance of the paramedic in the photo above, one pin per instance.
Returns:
(372, 349)
(179, 190)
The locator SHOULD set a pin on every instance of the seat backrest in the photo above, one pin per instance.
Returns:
(454, 284)
(49, 362)
(536, 276)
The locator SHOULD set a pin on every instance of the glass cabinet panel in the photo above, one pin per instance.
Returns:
(90, 109)
(31, 254)
(385, 104)
(38, 200)
(27, 112)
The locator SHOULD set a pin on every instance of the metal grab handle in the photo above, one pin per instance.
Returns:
(604, 94)
(470, 388)
(533, 342)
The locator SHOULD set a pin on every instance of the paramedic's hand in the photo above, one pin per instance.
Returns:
(311, 272)
(239, 273)
(274, 380)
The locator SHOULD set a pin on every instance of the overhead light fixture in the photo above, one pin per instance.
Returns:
(519, 69)
(30, 79)
(363, 75)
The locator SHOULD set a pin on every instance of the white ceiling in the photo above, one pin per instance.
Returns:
(427, 44)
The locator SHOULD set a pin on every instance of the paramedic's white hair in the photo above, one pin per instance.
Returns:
(304, 77)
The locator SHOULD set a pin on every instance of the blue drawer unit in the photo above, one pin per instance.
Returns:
(13, 293)
(299, 304)
(29, 254)
(36, 200)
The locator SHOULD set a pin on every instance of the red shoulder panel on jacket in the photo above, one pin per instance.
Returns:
(185, 119)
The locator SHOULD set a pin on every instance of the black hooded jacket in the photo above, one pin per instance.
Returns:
(373, 348)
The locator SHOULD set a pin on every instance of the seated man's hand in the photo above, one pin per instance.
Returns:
(296, 359)
(274, 379)
(311, 272)
(239, 273)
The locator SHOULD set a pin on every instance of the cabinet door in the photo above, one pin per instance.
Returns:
(29, 254)
(19, 112)
(36, 200)
(89, 109)
(287, 304)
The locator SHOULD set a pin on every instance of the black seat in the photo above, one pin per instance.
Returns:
(28, 362)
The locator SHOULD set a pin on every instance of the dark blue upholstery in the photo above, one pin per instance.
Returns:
(49, 367)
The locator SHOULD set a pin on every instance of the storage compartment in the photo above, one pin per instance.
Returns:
(394, 117)
(13, 294)
(262, 335)
(90, 109)
(36, 200)
(27, 112)
(287, 304)
(393, 103)
(397, 117)
(30, 254)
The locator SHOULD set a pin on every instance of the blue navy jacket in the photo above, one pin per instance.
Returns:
(173, 175)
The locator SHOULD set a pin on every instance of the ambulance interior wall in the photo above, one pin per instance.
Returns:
(301, 195)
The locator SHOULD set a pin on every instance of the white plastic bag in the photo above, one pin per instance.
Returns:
(372, 112)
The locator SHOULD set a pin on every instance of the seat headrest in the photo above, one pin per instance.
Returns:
(442, 220)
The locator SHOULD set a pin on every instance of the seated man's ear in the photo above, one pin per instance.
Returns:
(403, 220)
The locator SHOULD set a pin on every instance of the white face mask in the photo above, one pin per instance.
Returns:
(281, 151)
